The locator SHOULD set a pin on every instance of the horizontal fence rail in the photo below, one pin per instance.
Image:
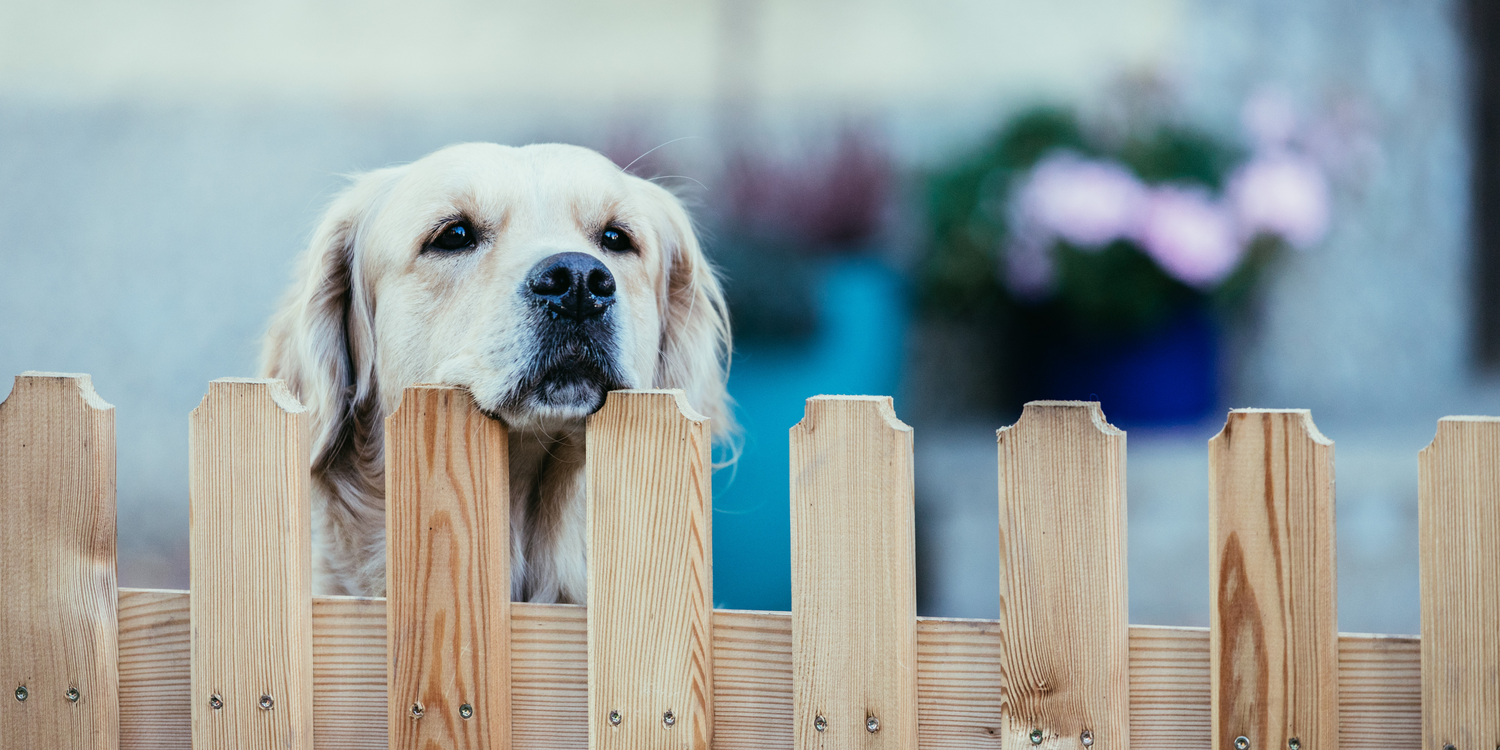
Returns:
(249, 659)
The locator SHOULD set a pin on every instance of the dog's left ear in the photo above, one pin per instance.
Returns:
(695, 340)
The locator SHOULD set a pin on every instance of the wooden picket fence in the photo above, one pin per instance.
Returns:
(249, 659)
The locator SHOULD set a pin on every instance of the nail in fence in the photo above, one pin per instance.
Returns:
(1059, 668)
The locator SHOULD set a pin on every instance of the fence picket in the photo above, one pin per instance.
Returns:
(1459, 517)
(650, 614)
(58, 627)
(251, 568)
(1063, 606)
(1273, 616)
(854, 612)
(447, 526)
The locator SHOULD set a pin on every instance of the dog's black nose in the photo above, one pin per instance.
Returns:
(574, 285)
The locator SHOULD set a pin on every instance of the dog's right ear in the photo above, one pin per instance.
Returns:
(321, 340)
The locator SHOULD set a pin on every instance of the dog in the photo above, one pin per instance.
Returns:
(538, 277)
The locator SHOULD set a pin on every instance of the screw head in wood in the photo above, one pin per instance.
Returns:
(417, 710)
(216, 701)
(1242, 743)
(1294, 744)
(466, 711)
(73, 695)
(820, 723)
(872, 725)
(615, 717)
(669, 718)
(1087, 738)
(266, 704)
(1036, 736)
(1450, 746)
(22, 694)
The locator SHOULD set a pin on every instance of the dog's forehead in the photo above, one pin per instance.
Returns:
(487, 176)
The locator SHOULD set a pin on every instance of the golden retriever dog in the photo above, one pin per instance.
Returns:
(539, 278)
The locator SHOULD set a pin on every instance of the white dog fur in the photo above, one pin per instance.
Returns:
(377, 306)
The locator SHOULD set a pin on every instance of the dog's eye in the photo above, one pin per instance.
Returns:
(456, 236)
(615, 239)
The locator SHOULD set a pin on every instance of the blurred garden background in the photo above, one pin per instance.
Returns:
(1172, 206)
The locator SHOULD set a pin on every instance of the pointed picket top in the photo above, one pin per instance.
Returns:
(272, 389)
(1273, 579)
(1034, 411)
(816, 407)
(1303, 417)
(81, 381)
(1063, 593)
(1458, 510)
(58, 613)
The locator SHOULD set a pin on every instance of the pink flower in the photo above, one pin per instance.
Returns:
(1088, 203)
(1282, 194)
(1189, 236)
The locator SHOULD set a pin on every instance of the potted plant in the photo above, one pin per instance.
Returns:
(1105, 265)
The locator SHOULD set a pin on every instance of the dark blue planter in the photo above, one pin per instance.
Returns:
(1169, 376)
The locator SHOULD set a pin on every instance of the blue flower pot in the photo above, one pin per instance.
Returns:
(1167, 376)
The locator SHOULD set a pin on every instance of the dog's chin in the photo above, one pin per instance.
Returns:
(560, 399)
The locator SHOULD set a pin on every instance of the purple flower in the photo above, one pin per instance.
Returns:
(1281, 193)
(1191, 237)
(1088, 203)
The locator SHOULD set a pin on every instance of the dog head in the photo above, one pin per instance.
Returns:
(539, 277)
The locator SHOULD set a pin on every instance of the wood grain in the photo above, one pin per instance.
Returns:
(1459, 519)
(854, 605)
(1273, 619)
(251, 568)
(650, 627)
(1063, 597)
(57, 570)
(447, 573)
(958, 674)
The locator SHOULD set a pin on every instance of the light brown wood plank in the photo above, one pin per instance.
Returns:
(251, 568)
(1380, 692)
(854, 610)
(1273, 619)
(1063, 600)
(447, 573)
(155, 679)
(349, 673)
(1169, 688)
(650, 589)
(958, 673)
(752, 680)
(1459, 518)
(57, 566)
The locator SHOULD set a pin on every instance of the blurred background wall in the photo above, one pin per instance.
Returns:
(162, 162)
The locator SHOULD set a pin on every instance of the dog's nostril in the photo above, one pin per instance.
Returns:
(601, 283)
(555, 281)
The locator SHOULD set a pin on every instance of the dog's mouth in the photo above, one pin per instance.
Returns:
(569, 379)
